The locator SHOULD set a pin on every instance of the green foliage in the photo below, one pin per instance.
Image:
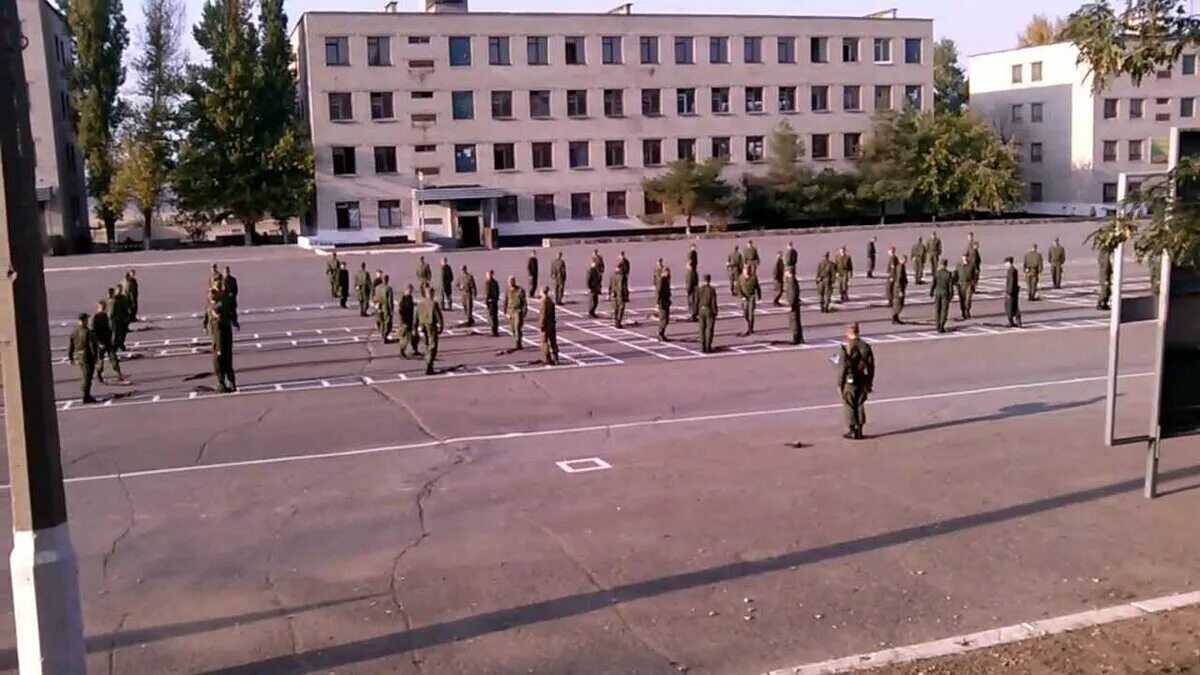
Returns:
(691, 189)
(1173, 204)
(98, 29)
(1137, 41)
(1041, 31)
(949, 82)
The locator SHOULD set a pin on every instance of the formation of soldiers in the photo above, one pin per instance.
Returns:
(100, 336)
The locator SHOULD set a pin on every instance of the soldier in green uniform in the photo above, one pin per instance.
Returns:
(706, 301)
(118, 316)
(466, 293)
(83, 350)
(964, 281)
(918, 256)
(548, 327)
(376, 282)
(976, 264)
(618, 292)
(942, 291)
(1058, 258)
(429, 318)
(385, 308)
(825, 278)
(599, 260)
(1012, 293)
(1105, 263)
(447, 274)
(331, 268)
(102, 330)
(659, 266)
(229, 286)
(558, 274)
(935, 253)
(893, 263)
(131, 292)
(751, 257)
(693, 257)
(424, 274)
(692, 283)
(791, 287)
(777, 278)
(531, 269)
(491, 299)
(856, 378)
(1033, 271)
(871, 258)
(791, 257)
(751, 293)
(363, 288)
(899, 289)
(343, 284)
(407, 334)
(623, 265)
(662, 296)
(515, 308)
(845, 270)
(211, 300)
(733, 268)
(222, 339)
(595, 286)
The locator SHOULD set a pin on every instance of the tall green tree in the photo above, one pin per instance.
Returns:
(950, 92)
(1041, 31)
(98, 30)
(289, 164)
(689, 189)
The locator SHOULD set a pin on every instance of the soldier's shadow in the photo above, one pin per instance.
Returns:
(1007, 412)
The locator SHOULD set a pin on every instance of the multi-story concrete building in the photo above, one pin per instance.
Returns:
(1075, 142)
(59, 174)
(548, 123)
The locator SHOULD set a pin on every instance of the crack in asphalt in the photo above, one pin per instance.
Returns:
(425, 429)
(112, 550)
(112, 643)
(269, 579)
(228, 430)
(536, 385)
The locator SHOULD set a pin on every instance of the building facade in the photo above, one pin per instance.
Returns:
(59, 171)
(1073, 143)
(548, 123)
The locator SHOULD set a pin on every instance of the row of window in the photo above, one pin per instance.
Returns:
(1036, 111)
(1187, 67)
(1135, 151)
(1136, 108)
(462, 103)
(612, 50)
(579, 153)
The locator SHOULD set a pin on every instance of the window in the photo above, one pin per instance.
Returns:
(883, 97)
(347, 215)
(1035, 192)
(577, 103)
(389, 213)
(502, 108)
(425, 147)
(912, 95)
(720, 100)
(575, 50)
(543, 207)
(64, 104)
(379, 51)
(1189, 64)
(1108, 193)
(651, 102)
(504, 157)
(652, 152)
(851, 145)
(385, 159)
(721, 147)
(420, 95)
(543, 155)
(684, 50)
(1162, 101)
(1135, 151)
(685, 148)
(1110, 151)
(420, 64)
(343, 161)
(754, 100)
(1035, 71)
(498, 51)
(460, 50)
(464, 158)
(462, 105)
(818, 50)
(820, 146)
(651, 206)
(381, 105)
(418, 39)
(648, 49)
(1187, 107)
(912, 50)
(752, 49)
(614, 103)
(340, 107)
(614, 154)
(1137, 108)
(785, 49)
(581, 205)
(883, 50)
(718, 49)
(850, 50)
(787, 99)
(685, 101)
(1017, 114)
(69, 152)
(852, 97)
(1163, 74)
(578, 155)
(754, 149)
(506, 209)
(820, 98)
(1110, 108)
(1162, 117)
(1035, 113)
(424, 118)
(539, 103)
(1035, 153)
(610, 50)
(537, 50)
(616, 204)
(337, 51)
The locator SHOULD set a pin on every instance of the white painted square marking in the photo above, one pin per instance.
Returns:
(583, 465)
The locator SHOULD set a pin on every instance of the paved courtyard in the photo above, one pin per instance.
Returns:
(635, 510)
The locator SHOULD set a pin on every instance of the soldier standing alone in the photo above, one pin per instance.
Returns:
(82, 349)
(751, 257)
(1033, 271)
(343, 285)
(222, 339)
(693, 257)
(424, 274)
(1058, 258)
(871, 258)
(491, 299)
(447, 285)
(385, 307)
(942, 291)
(1012, 294)
(751, 293)
(531, 269)
(791, 257)
(515, 308)
(964, 278)
(777, 277)
(618, 292)
(792, 293)
(733, 267)
(467, 292)
(131, 292)
(363, 288)
(693, 284)
(548, 327)
(331, 268)
(706, 301)
(899, 289)
(595, 286)
(918, 255)
(825, 275)
(893, 262)
(845, 270)
(558, 274)
(856, 378)
(429, 317)
(662, 294)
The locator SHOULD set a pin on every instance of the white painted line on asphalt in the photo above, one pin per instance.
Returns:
(165, 263)
(583, 465)
(563, 431)
(961, 644)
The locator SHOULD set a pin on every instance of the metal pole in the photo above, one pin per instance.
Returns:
(1150, 488)
(1160, 348)
(45, 577)
(1114, 346)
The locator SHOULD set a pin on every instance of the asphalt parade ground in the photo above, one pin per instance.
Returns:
(637, 509)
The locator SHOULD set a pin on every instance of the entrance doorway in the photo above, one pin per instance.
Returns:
(468, 229)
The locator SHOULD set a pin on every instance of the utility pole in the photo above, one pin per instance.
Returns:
(45, 576)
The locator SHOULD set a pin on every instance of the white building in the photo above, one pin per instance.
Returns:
(548, 123)
(1073, 142)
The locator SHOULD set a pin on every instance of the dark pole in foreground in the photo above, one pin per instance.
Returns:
(44, 574)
